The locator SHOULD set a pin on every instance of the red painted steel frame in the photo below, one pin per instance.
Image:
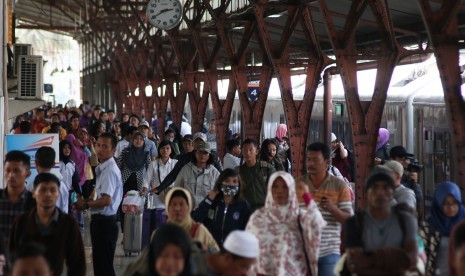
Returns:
(444, 34)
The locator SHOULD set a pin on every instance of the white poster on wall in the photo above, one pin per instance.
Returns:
(30, 143)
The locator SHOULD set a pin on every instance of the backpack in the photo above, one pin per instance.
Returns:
(359, 224)
(350, 167)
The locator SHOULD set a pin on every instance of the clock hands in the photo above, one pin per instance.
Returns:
(162, 11)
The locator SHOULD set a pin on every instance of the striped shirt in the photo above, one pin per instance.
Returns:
(338, 193)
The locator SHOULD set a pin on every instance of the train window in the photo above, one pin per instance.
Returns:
(232, 119)
(339, 108)
(282, 120)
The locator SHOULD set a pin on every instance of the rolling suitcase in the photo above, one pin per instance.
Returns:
(132, 240)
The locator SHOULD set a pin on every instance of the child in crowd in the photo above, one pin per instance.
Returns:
(303, 193)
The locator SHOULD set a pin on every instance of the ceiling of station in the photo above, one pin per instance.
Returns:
(123, 21)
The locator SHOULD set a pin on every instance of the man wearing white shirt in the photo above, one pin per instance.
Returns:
(45, 160)
(104, 205)
(124, 143)
(231, 159)
(144, 127)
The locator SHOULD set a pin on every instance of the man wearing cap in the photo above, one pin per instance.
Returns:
(144, 127)
(199, 175)
(239, 253)
(402, 194)
(409, 179)
(382, 239)
(339, 158)
(187, 143)
(185, 159)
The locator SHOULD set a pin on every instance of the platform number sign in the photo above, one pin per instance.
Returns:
(252, 90)
(164, 14)
(48, 88)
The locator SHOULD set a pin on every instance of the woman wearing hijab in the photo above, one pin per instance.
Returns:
(178, 203)
(383, 148)
(68, 167)
(289, 237)
(79, 157)
(70, 177)
(224, 209)
(268, 153)
(85, 120)
(283, 153)
(133, 163)
(446, 211)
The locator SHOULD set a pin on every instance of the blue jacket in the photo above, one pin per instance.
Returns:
(212, 215)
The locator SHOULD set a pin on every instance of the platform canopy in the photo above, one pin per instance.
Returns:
(121, 18)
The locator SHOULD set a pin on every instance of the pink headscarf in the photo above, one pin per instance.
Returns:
(383, 138)
(281, 132)
(79, 157)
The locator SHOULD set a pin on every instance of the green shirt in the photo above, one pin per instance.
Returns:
(254, 182)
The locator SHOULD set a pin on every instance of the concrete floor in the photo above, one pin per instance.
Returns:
(120, 261)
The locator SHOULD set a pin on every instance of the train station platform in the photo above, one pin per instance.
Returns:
(120, 262)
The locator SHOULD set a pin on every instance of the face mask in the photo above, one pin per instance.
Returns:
(229, 190)
(171, 139)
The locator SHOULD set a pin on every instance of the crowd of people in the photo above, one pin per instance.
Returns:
(244, 214)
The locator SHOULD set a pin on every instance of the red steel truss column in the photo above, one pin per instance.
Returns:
(209, 62)
(123, 86)
(365, 119)
(297, 112)
(187, 56)
(177, 100)
(444, 34)
(118, 97)
(222, 109)
(252, 111)
(161, 102)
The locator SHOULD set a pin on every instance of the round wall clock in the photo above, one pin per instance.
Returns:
(164, 14)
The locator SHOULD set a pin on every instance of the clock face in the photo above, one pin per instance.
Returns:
(164, 14)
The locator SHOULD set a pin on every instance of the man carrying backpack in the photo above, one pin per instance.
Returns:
(342, 158)
(382, 239)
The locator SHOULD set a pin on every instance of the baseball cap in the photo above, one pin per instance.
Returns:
(393, 166)
(188, 137)
(242, 244)
(399, 151)
(203, 146)
(201, 136)
(333, 137)
(144, 123)
(380, 173)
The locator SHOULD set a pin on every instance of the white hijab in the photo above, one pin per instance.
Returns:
(277, 228)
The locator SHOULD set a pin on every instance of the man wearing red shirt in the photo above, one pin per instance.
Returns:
(39, 122)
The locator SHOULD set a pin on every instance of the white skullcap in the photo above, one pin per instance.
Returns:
(242, 244)
(333, 137)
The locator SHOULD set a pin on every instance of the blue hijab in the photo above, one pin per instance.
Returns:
(438, 220)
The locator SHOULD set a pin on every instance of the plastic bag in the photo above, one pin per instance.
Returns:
(133, 202)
